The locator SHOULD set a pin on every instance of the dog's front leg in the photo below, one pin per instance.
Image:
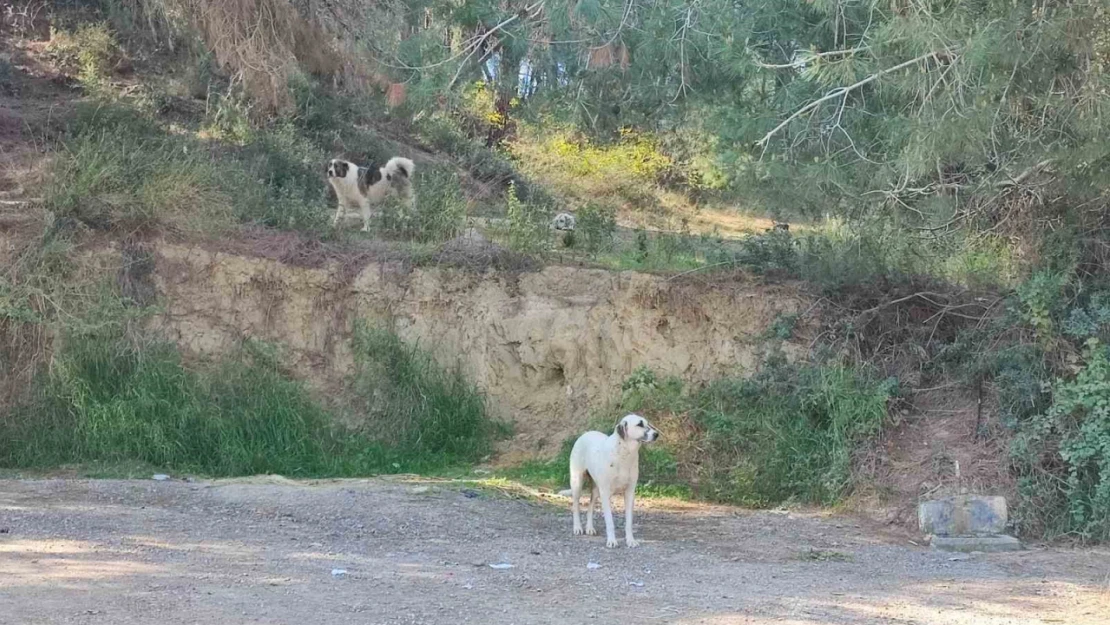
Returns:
(629, 500)
(338, 214)
(607, 510)
(366, 216)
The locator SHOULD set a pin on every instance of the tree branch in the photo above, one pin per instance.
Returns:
(836, 93)
(807, 57)
(1020, 178)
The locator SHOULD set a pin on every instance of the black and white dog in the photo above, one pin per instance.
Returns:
(360, 187)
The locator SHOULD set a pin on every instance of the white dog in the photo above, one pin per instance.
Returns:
(613, 464)
(360, 187)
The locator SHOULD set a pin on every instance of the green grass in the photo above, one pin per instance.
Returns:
(119, 170)
(658, 473)
(116, 402)
(409, 401)
(786, 435)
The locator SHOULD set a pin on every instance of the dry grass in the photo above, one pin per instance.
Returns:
(262, 43)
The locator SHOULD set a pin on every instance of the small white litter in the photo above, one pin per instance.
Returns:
(593, 565)
(160, 477)
(338, 572)
(636, 584)
(501, 566)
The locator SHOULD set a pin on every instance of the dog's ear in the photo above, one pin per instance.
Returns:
(620, 430)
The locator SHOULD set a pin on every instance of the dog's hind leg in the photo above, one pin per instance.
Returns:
(576, 479)
(365, 216)
(590, 531)
(411, 196)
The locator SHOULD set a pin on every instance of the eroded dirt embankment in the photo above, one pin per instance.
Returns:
(548, 347)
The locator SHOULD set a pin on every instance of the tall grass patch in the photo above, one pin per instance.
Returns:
(119, 170)
(411, 402)
(110, 398)
(789, 434)
(439, 214)
(115, 397)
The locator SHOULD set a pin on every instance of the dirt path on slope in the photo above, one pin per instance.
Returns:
(264, 551)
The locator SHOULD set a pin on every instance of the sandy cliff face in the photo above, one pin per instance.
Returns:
(548, 347)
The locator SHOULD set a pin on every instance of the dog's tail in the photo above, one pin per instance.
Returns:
(400, 165)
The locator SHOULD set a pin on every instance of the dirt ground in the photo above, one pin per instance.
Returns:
(272, 551)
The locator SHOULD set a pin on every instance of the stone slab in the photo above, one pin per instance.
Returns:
(968, 544)
(964, 515)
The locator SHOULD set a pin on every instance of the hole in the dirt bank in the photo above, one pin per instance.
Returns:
(557, 374)
(136, 275)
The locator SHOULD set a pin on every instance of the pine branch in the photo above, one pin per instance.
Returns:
(807, 57)
(836, 93)
(1020, 178)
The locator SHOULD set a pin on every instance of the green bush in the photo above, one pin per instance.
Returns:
(112, 399)
(1075, 430)
(596, 225)
(91, 49)
(528, 224)
(789, 433)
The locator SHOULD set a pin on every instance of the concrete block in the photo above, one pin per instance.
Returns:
(964, 515)
(968, 544)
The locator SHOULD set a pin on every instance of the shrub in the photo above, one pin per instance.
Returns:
(596, 227)
(1074, 431)
(580, 172)
(128, 175)
(91, 50)
(789, 433)
(528, 227)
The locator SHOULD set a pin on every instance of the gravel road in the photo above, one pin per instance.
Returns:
(269, 550)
